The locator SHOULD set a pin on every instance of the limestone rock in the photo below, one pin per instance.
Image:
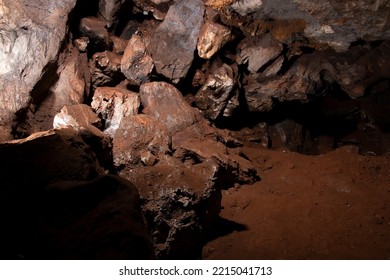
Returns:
(113, 104)
(212, 37)
(29, 43)
(213, 97)
(95, 30)
(257, 52)
(136, 63)
(164, 102)
(173, 43)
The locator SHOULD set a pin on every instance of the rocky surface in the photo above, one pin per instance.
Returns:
(31, 37)
(176, 37)
(169, 95)
(57, 203)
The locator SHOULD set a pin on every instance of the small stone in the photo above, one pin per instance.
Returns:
(212, 38)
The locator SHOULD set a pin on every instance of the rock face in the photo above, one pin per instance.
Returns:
(31, 35)
(173, 43)
(333, 23)
(57, 204)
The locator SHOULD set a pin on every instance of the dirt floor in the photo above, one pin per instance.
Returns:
(331, 206)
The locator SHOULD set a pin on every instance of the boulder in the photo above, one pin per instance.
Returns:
(176, 37)
(213, 97)
(137, 135)
(66, 85)
(56, 203)
(258, 51)
(29, 45)
(164, 102)
(212, 38)
(113, 104)
(76, 116)
(105, 69)
(136, 63)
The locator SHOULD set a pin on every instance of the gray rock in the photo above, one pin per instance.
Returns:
(164, 102)
(258, 51)
(173, 43)
(31, 34)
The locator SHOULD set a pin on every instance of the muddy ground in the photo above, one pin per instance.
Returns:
(331, 206)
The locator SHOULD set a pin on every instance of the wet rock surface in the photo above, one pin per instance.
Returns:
(169, 95)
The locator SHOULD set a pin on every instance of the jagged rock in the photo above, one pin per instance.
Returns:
(113, 104)
(68, 85)
(135, 135)
(29, 43)
(105, 69)
(164, 102)
(310, 76)
(81, 44)
(212, 38)
(56, 204)
(109, 10)
(181, 204)
(213, 97)
(76, 116)
(333, 23)
(136, 63)
(173, 43)
(95, 30)
(258, 51)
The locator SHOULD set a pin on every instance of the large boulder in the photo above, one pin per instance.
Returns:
(31, 34)
(173, 43)
(56, 203)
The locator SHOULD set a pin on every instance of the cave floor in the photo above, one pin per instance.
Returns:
(332, 206)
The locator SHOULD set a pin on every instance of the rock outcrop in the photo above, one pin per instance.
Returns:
(31, 36)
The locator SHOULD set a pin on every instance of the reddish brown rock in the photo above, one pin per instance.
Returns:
(258, 51)
(136, 63)
(105, 69)
(70, 86)
(173, 43)
(113, 104)
(164, 102)
(119, 45)
(158, 8)
(135, 135)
